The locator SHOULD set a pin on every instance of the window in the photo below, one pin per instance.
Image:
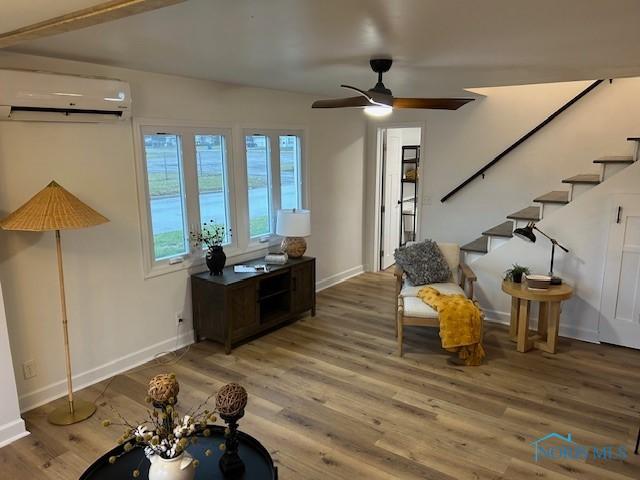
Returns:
(163, 154)
(186, 178)
(187, 184)
(274, 178)
(213, 190)
(290, 179)
(259, 185)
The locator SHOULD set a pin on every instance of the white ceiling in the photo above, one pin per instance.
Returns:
(439, 47)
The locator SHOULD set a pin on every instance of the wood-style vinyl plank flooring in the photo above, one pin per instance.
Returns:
(330, 399)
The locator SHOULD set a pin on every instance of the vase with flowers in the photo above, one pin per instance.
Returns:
(165, 435)
(211, 236)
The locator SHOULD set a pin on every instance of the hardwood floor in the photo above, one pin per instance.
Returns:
(330, 399)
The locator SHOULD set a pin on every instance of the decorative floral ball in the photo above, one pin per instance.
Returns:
(164, 387)
(231, 399)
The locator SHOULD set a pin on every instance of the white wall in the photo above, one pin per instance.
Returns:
(410, 136)
(457, 143)
(583, 227)
(11, 425)
(117, 318)
(456, 147)
(460, 142)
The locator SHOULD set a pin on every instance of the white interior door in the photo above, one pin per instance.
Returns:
(620, 312)
(391, 217)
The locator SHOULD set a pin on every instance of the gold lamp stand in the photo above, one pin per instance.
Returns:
(54, 208)
(76, 410)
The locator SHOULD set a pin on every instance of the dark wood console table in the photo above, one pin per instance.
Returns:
(233, 307)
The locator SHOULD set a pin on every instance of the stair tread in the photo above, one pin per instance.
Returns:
(529, 213)
(615, 159)
(556, 196)
(588, 178)
(503, 230)
(479, 245)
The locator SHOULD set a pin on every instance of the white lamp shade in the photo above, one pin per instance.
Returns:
(293, 223)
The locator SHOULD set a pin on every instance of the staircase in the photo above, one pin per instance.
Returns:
(548, 203)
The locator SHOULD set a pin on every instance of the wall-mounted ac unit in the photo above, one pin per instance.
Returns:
(51, 97)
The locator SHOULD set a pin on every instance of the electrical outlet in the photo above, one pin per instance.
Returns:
(29, 369)
(179, 318)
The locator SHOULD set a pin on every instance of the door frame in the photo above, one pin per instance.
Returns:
(374, 179)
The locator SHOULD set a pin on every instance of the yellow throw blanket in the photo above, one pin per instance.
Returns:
(460, 324)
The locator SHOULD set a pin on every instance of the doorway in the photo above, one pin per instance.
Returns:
(399, 190)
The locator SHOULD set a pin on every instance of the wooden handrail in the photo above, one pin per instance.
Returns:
(521, 140)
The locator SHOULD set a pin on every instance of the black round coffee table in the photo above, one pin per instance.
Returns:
(256, 458)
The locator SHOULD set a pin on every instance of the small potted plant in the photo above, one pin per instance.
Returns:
(211, 235)
(514, 274)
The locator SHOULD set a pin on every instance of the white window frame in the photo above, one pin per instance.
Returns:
(274, 178)
(191, 200)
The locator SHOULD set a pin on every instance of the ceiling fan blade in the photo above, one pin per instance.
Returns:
(85, 17)
(376, 98)
(431, 103)
(361, 92)
(342, 102)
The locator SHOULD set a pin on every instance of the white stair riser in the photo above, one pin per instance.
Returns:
(549, 208)
(578, 189)
(495, 242)
(470, 257)
(609, 170)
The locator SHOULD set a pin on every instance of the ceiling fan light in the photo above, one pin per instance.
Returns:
(378, 110)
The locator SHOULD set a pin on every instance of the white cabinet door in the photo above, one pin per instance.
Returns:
(620, 312)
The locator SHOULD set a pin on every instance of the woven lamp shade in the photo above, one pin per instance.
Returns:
(53, 208)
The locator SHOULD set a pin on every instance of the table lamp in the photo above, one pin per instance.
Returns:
(293, 225)
(526, 233)
(54, 208)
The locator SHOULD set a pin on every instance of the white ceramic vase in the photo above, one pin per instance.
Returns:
(178, 468)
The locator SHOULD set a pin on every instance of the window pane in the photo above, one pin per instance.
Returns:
(163, 154)
(212, 181)
(290, 196)
(257, 147)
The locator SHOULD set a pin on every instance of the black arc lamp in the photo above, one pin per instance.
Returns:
(526, 233)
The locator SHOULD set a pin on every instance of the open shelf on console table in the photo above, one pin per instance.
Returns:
(234, 307)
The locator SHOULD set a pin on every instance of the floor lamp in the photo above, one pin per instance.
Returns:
(53, 208)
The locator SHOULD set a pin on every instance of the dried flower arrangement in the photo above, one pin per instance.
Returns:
(211, 235)
(165, 433)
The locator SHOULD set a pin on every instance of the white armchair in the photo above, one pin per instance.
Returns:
(411, 310)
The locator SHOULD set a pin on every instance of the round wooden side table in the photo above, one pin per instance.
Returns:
(548, 316)
(256, 458)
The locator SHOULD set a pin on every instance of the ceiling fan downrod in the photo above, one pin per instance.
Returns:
(380, 66)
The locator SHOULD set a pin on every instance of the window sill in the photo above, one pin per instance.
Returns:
(272, 241)
(197, 263)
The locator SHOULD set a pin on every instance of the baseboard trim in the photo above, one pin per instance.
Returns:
(44, 395)
(337, 278)
(568, 331)
(41, 396)
(12, 431)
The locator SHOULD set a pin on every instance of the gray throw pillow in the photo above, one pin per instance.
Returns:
(423, 263)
